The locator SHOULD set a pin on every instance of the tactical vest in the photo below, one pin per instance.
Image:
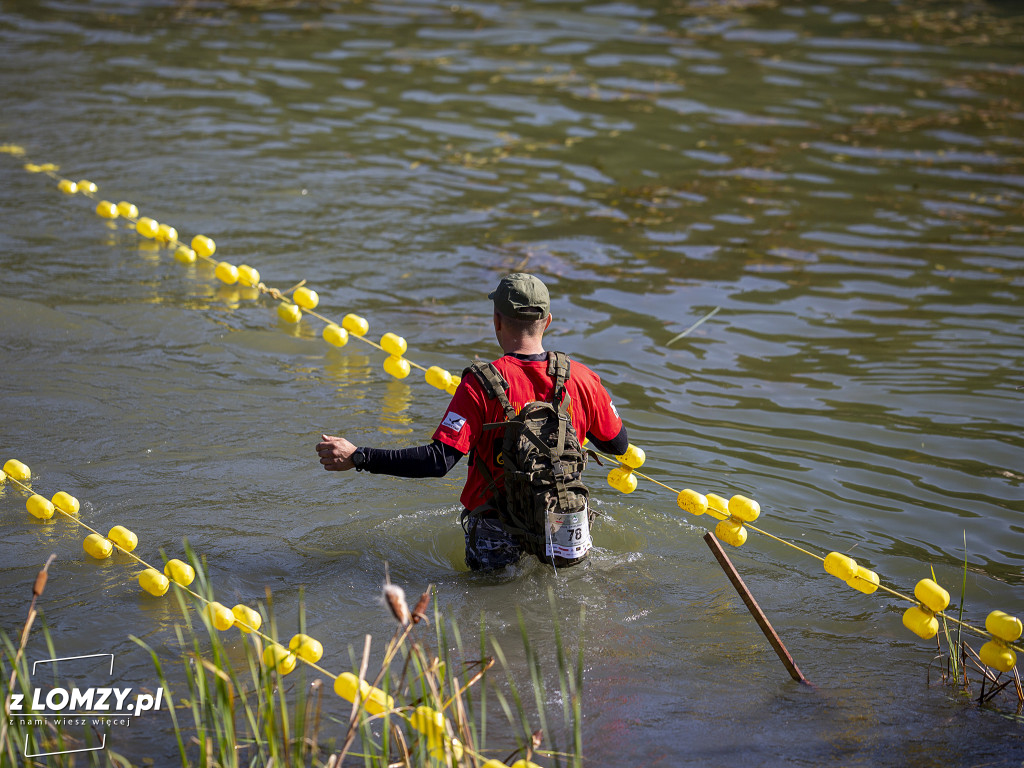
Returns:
(544, 502)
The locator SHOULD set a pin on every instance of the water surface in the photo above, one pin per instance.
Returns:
(843, 180)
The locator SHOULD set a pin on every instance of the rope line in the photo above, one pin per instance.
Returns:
(424, 719)
(75, 519)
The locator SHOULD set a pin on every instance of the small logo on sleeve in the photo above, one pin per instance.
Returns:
(453, 421)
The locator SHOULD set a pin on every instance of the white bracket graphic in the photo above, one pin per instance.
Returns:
(65, 751)
(69, 751)
(72, 658)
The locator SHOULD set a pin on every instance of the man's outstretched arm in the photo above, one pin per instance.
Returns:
(432, 460)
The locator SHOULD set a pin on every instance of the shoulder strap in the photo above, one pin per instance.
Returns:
(492, 483)
(558, 368)
(494, 385)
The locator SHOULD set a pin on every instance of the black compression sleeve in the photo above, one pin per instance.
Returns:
(616, 446)
(433, 460)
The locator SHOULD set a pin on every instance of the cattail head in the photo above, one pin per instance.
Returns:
(419, 613)
(40, 585)
(394, 598)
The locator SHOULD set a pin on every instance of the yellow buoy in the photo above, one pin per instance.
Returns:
(622, 480)
(931, 595)
(374, 699)
(220, 616)
(147, 227)
(432, 725)
(107, 209)
(692, 502)
(718, 507)
(524, 763)
(355, 324)
(180, 571)
(290, 313)
(397, 366)
(456, 380)
(282, 661)
(393, 344)
(86, 187)
(744, 509)
(17, 470)
(306, 298)
(864, 581)
(840, 566)
(127, 210)
(306, 648)
(226, 273)
(277, 657)
(39, 506)
(438, 377)
(124, 538)
(335, 335)
(66, 502)
(249, 276)
(246, 619)
(67, 186)
(427, 721)
(154, 582)
(203, 245)
(1003, 626)
(996, 655)
(97, 546)
(3, 477)
(165, 233)
(731, 532)
(184, 254)
(922, 623)
(634, 457)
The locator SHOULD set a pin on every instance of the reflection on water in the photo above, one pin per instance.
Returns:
(394, 419)
(843, 180)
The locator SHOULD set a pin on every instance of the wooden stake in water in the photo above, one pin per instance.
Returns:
(754, 608)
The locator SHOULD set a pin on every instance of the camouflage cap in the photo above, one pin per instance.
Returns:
(521, 296)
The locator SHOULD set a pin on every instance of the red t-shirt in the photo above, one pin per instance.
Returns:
(590, 409)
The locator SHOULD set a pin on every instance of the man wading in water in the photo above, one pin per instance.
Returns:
(543, 509)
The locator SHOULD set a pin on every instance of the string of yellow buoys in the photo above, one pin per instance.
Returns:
(291, 303)
(431, 723)
(735, 515)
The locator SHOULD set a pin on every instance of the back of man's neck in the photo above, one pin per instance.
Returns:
(536, 357)
(524, 349)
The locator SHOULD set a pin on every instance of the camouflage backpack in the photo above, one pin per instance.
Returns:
(544, 505)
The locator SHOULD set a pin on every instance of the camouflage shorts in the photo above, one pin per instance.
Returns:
(488, 545)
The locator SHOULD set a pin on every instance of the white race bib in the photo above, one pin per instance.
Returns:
(568, 535)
